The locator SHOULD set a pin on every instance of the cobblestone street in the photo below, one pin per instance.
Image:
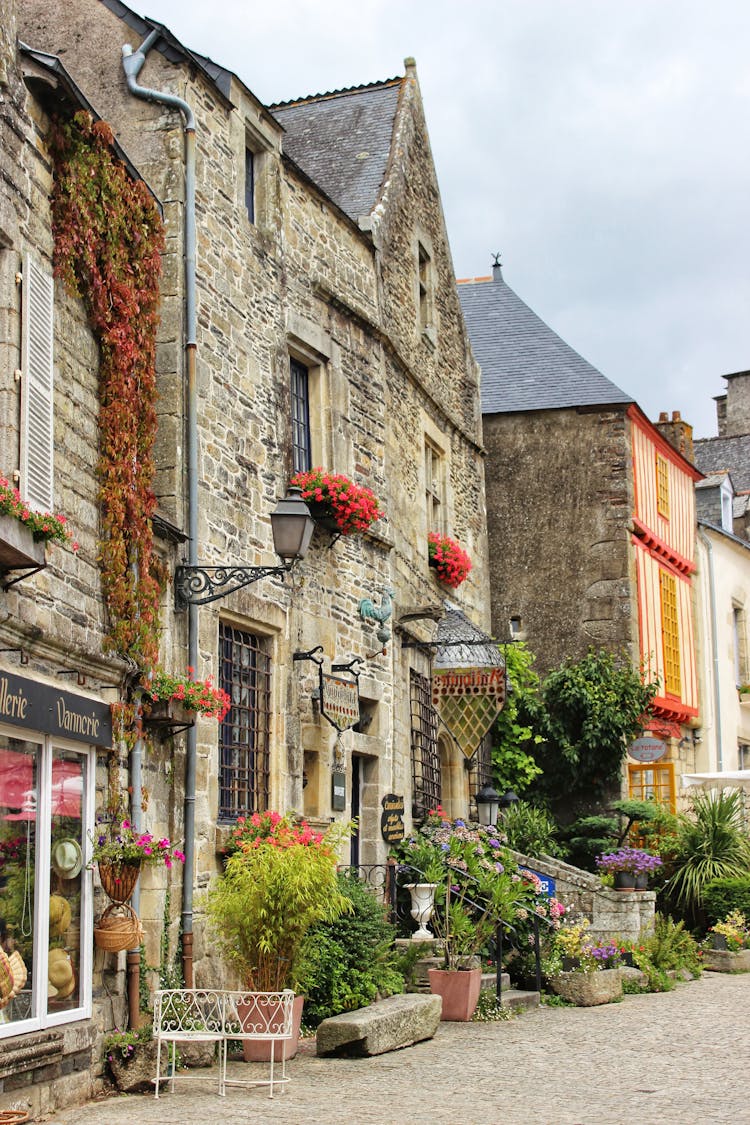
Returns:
(656, 1059)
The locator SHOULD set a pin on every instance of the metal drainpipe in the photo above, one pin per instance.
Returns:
(132, 63)
(136, 817)
(714, 646)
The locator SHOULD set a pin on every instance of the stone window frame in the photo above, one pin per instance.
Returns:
(425, 752)
(308, 345)
(256, 155)
(739, 644)
(424, 286)
(42, 1017)
(258, 783)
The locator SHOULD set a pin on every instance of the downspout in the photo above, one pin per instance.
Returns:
(714, 645)
(136, 819)
(132, 63)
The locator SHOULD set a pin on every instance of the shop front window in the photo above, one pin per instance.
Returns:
(45, 890)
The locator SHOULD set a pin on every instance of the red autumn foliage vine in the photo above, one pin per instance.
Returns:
(109, 238)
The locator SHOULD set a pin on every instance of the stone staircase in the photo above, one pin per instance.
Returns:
(517, 999)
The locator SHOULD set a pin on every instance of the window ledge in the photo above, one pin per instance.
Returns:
(429, 336)
(19, 550)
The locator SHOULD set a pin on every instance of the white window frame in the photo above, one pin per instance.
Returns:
(37, 386)
(41, 1018)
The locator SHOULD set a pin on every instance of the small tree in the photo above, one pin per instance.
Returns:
(587, 712)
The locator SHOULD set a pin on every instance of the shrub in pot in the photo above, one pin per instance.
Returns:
(279, 880)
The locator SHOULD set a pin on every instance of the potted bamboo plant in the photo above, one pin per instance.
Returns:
(279, 880)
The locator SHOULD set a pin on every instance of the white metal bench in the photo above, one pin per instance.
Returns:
(201, 1015)
(188, 1015)
(261, 1017)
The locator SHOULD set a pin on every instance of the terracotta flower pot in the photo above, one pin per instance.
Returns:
(459, 990)
(255, 1050)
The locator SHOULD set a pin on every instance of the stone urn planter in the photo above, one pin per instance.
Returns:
(586, 990)
(459, 990)
(422, 906)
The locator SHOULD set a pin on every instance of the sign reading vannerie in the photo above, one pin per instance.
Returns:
(41, 707)
(467, 700)
(339, 701)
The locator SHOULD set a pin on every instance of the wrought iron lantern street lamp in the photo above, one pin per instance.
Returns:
(292, 527)
(488, 801)
(508, 799)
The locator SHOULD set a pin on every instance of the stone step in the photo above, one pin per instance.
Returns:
(489, 980)
(519, 1001)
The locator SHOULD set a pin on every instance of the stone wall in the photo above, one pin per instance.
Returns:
(300, 280)
(611, 913)
(559, 500)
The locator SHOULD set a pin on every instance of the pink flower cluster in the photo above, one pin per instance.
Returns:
(353, 506)
(45, 525)
(126, 845)
(270, 828)
(450, 560)
(195, 695)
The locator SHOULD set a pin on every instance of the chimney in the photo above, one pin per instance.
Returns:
(497, 269)
(721, 414)
(678, 433)
(737, 416)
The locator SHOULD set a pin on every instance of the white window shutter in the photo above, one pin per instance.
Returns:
(37, 447)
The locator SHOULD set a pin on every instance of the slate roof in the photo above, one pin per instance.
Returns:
(725, 455)
(342, 141)
(525, 365)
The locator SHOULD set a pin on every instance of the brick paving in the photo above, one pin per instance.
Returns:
(657, 1059)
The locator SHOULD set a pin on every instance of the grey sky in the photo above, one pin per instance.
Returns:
(602, 147)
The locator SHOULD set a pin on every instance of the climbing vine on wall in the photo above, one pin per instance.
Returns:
(109, 238)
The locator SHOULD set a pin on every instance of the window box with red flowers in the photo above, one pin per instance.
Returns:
(448, 558)
(337, 503)
(167, 698)
(25, 532)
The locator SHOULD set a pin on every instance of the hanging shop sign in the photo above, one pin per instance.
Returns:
(468, 700)
(647, 749)
(42, 707)
(339, 701)
(392, 818)
(338, 791)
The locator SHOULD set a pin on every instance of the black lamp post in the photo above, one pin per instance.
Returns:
(488, 800)
(292, 527)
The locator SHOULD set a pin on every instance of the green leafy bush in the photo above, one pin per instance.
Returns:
(349, 962)
(723, 896)
(530, 830)
(711, 844)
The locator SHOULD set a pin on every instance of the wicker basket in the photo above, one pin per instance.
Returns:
(119, 879)
(118, 928)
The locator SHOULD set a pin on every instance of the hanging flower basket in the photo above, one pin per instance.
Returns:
(167, 698)
(336, 502)
(450, 561)
(118, 928)
(119, 879)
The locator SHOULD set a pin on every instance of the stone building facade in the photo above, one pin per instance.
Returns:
(328, 333)
(591, 517)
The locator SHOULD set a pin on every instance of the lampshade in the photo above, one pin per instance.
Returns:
(488, 800)
(292, 526)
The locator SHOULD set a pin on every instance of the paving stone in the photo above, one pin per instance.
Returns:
(671, 1058)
